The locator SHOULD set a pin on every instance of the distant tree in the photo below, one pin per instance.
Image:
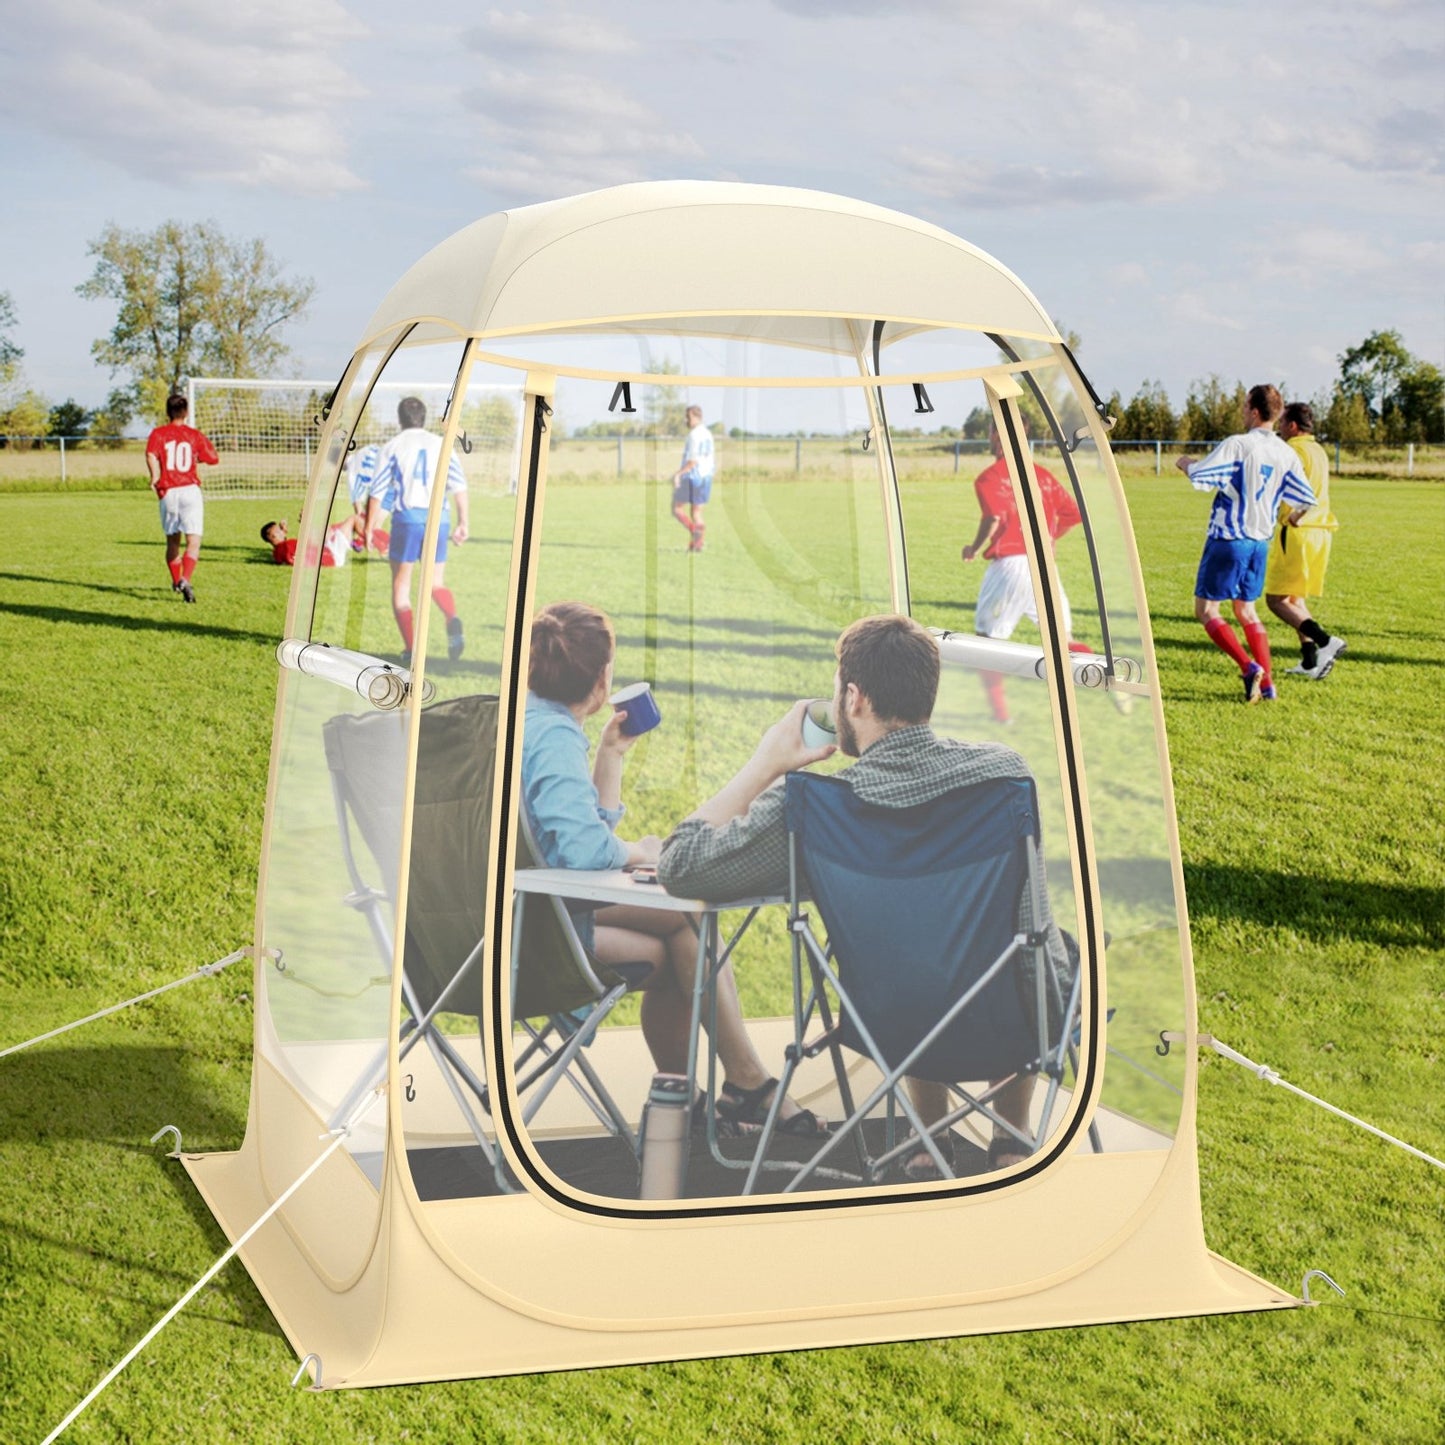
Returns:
(1346, 419)
(1058, 393)
(68, 419)
(1402, 396)
(24, 418)
(190, 300)
(1147, 417)
(109, 422)
(977, 423)
(1212, 410)
(664, 411)
(10, 351)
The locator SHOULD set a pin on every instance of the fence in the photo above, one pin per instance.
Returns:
(79, 464)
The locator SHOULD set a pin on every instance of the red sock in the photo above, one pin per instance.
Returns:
(684, 520)
(188, 567)
(443, 598)
(403, 621)
(1221, 634)
(174, 563)
(993, 686)
(1080, 647)
(1258, 640)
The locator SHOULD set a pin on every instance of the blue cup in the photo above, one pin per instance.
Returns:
(641, 713)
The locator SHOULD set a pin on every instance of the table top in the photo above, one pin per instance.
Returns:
(616, 885)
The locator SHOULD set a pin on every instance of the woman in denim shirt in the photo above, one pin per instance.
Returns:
(574, 812)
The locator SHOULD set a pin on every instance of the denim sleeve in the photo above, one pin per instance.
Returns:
(572, 831)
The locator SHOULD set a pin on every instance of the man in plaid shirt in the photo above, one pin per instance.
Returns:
(736, 844)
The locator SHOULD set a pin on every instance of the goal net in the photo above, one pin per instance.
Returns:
(265, 431)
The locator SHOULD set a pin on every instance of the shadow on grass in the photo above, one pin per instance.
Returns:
(131, 623)
(111, 1094)
(1386, 915)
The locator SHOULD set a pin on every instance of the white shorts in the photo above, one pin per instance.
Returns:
(1007, 594)
(183, 510)
(338, 544)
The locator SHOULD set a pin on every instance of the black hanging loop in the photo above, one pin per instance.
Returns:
(623, 392)
(867, 438)
(921, 402)
(543, 412)
(465, 443)
(408, 1080)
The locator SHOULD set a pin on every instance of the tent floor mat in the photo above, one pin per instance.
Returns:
(605, 1166)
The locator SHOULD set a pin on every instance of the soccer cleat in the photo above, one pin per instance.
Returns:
(1253, 680)
(1329, 651)
(186, 590)
(406, 658)
(1308, 673)
(176, 585)
(456, 641)
(1267, 692)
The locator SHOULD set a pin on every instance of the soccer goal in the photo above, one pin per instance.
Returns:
(266, 430)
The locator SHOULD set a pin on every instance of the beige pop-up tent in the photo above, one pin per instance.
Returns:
(425, 998)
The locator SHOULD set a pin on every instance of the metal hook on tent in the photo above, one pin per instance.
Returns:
(409, 1086)
(1317, 1274)
(622, 391)
(465, 443)
(162, 1132)
(301, 1370)
(543, 412)
(921, 402)
(1166, 1038)
(867, 438)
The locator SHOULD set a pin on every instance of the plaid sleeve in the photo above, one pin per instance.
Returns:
(746, 856)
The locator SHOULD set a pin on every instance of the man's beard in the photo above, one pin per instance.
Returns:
(847, 738)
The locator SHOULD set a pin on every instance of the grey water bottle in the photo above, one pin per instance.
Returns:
(665, 1124)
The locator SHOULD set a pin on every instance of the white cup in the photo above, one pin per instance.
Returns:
(818, 727)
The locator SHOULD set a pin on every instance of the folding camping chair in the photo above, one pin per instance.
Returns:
(446, 886)
(446, 898)
(938, 955)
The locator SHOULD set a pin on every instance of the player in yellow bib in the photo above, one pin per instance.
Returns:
(1300, 553)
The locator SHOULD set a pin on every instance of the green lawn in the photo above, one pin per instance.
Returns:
(135, 734)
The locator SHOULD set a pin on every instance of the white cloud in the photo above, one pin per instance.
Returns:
(517, 33)
(1196, 310)
(575, 133)
(248, 94)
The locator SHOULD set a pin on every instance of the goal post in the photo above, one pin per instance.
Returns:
(265, 430)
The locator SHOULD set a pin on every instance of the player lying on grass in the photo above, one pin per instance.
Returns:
(339, 540)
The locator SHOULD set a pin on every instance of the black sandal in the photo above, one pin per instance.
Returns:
(1002, 1144)
(919, 1168)
(747, 1110)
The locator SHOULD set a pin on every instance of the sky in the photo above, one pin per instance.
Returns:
(1193, 188)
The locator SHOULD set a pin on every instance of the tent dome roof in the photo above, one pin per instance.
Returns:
(692, 249)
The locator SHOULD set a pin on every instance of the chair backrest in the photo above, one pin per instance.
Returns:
(551, 972)
(450, 831)
(918, 902)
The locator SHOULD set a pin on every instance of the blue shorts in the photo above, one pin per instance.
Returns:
(1232, 571)
(408, 531)
(688, 492)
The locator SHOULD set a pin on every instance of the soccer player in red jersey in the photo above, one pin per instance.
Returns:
(172, 453)
(1007, 593)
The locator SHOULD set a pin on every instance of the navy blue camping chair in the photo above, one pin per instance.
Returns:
(936, 951)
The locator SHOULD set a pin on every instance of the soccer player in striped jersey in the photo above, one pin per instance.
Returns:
(360, 473)
(1251, 475)
(402, 485)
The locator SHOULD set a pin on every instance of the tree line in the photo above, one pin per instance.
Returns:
(1381, 395)
(189, 301)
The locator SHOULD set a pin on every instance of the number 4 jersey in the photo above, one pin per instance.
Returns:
(177, 448)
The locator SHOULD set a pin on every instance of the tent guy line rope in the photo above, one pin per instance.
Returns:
(338, 1137)
(1268, 1075)
(204, 970)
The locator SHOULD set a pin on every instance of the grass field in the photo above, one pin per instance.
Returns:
(135, 734)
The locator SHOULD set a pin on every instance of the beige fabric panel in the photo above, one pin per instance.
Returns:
(677, 247)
